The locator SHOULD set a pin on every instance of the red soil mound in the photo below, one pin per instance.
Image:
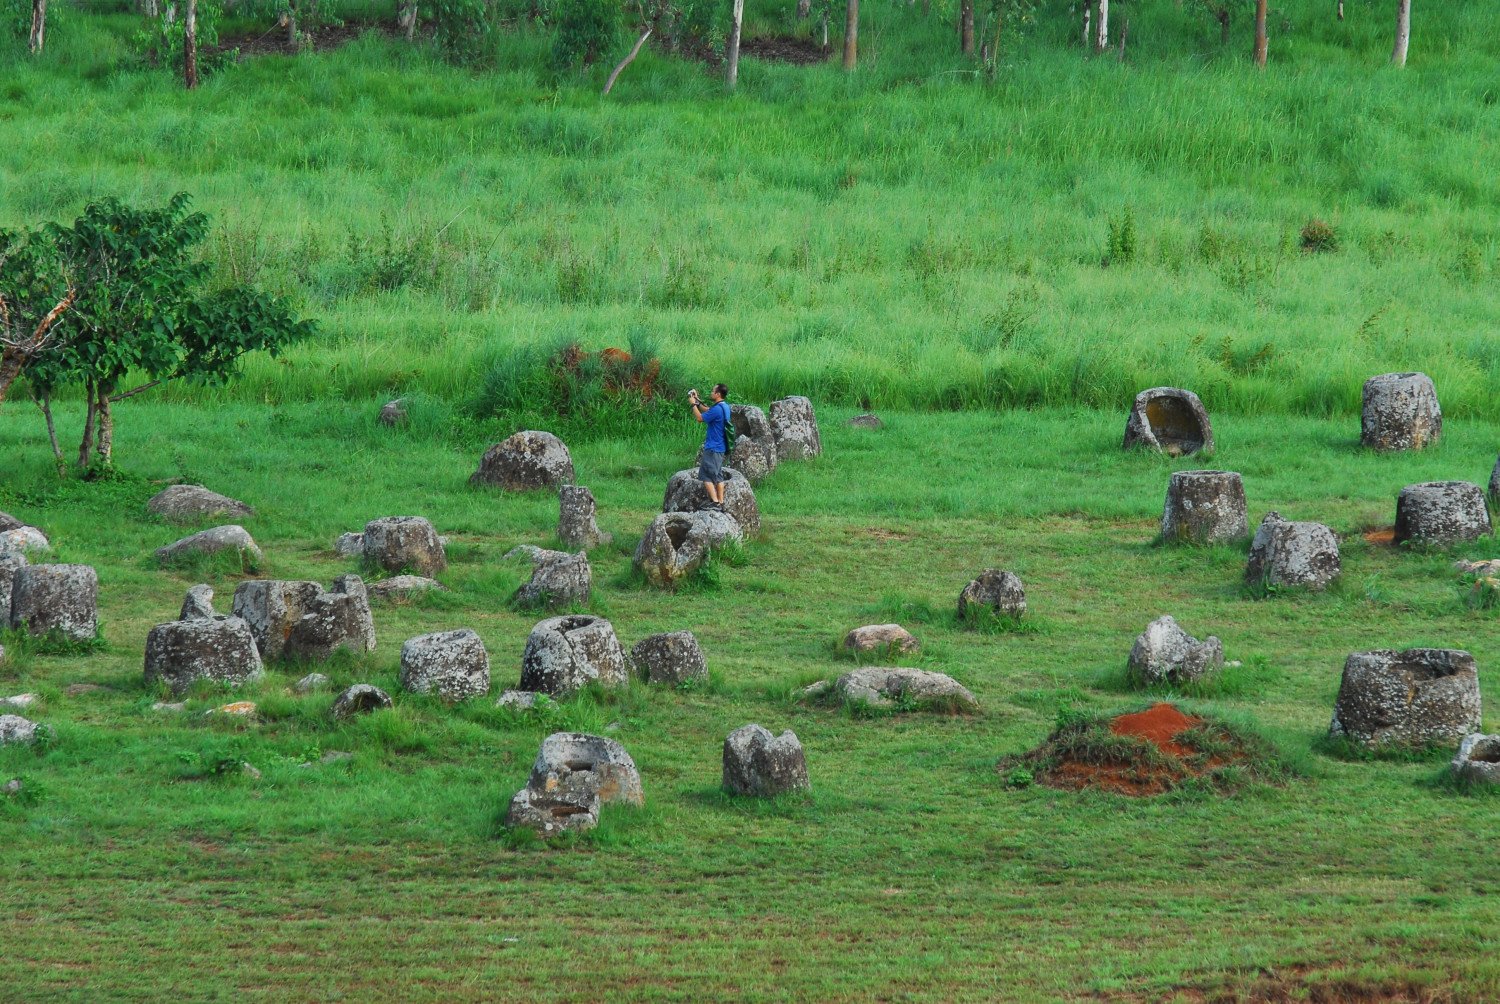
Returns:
(1161, 723)
(1384, 535)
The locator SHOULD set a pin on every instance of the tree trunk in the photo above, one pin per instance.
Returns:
(825, 28)
(804, 9)
(45, 403)
(1403, 32)
(86, 447)
(1088, 10)
(966, 27)
(291, 28)
(11, 363)
(1101, 40)
(106, 436)
(1260, 33)
(38, 25)
(406, 19)
(1124, 32)
(629, 58)
(1224, 27)
(851, 34)
(1341, 10)
(190, 45)
(733, 48)
(150, 8)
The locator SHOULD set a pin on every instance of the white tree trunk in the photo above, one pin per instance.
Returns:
(38, 25)
(1101, 41)
(190, 45)
(1088, 9)
(1403, 32)
(734, 43)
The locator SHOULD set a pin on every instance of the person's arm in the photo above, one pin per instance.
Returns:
(698, 409)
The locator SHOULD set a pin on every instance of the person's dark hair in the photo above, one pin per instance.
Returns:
(721, 390)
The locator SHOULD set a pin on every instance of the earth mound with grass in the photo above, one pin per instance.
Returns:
(1143, 753)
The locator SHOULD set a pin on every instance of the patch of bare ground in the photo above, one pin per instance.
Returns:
(785, 49)
(274, 41)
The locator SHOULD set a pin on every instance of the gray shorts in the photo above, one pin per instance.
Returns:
(711, 467)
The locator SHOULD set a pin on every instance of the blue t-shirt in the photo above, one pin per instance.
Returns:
(714, 418)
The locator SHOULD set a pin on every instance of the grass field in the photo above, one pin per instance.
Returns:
(916, 235)
(911, 872)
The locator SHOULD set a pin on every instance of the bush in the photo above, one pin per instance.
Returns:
(1318, 237)
(586, 30)
(464, 30)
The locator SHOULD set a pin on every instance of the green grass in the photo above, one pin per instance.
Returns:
(912, 870)
(911, 234)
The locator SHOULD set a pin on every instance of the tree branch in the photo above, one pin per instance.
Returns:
(628, 59)
(132, 393)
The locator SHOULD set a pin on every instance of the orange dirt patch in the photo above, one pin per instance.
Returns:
(1161, 723)
(1385, 535)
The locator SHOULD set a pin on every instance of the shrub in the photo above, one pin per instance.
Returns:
(586, 30)
(1120, 242)
(1319, 237)
(464, 29)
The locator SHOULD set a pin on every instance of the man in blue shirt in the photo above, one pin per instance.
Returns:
(711, 460)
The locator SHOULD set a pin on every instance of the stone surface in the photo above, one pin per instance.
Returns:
(1488, 567)
(311, 682)
(451, 664)
(350, 545)
(573, 777)
(360, 699)
(404, 544)
(881, 638)
(1400, 412)
(337, 619)
(1439, 513)
(795, 429)
(1419, 697)
(518, 700)
(575, 520)
(199, 602)
(402, 586)
(220, 649)
(1495, 482)
(758, 763)
(1288, 554)
(1171, 420)
(866, 421)
(676, 544)
(20, 702)
(671, 658)
(191, 503)
(754, 453)
(9, 522)
(564, 654)
(272, 608)
(525, 462)
(558, 580)
(392, 413)
(242, 709)
(18, 730)
(249, 770)
(995, 591)
(1205, 507)
(882, 687)
(11, 562)
(24, 539)
(13, 787)
(213, 541)
(685, 494)
(171, 707)
(1165, 653)
(1478, 759)
(61, 598)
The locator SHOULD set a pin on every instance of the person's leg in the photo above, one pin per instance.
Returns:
(720, 488)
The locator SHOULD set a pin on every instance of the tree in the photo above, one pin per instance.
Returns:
(966, 27)
(1220, 11)
(36, 292)
(144, 309)
(1403, 32)
(190, 45)
(1101, 22)
(38, 25)
(851, 34)
(1260, 33)
(733, 46)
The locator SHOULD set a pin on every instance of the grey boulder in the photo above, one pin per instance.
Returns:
(392, 413)
(685, 493)
(450, 664)
(795, 429)
(1478, 759)
(214, 541)
(671, 658)
(17, 730)
(11, 563)
(272, 608)
(883, 687)
(199, 602)
(1166, 654)
(1171, 420)
(525, 462)
(758, 763)
(61, 598)
(349, 545)
(360, 699)
(399, 587)
(191, 503)
(1286, 554)
(754, 453)
(1400, 412)
(1440, 513)
(573, 777)
(22, 539)
(220, 649)
(565, 654)
(337, 619)
(1419, 697)
(995, 592)
(575, 519)
(404, 544)
(312, 682)
(558, 580)
(868, 420)
(676, 544)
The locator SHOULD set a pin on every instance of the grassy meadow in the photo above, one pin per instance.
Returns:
(915, 235)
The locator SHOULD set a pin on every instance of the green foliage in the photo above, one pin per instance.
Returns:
(464, 29)
(160, 43)
(1120, 242)
(586, 31)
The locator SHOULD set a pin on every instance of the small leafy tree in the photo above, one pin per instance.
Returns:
(36, 294)
(144, 309)
(586, 30)
(162, 41)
